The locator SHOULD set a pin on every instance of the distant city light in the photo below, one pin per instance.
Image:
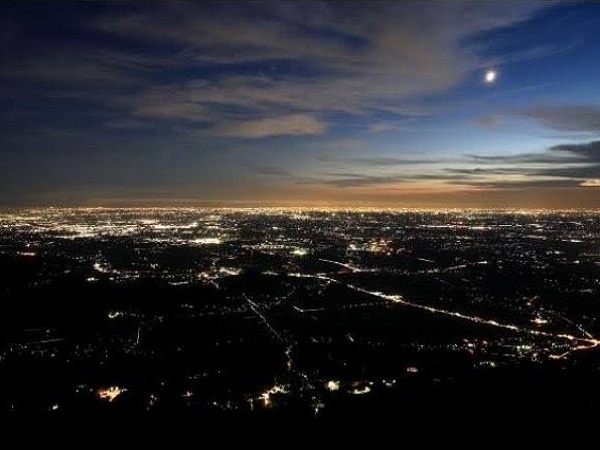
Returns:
(208, 240)
(265, 397)
(354, 269)
(114, 314)
(333, 385)
(362, 390)
(110, 393)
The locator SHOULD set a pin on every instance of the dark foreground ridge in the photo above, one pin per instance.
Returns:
(529, 408)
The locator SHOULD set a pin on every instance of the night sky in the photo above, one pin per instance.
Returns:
(399, 104)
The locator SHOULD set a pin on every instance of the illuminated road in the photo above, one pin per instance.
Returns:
(255, 308)
(289, 346)
(584, 343)
(344, 265)
(570, 322)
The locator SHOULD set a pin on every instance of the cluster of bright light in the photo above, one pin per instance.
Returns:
(207, 240)
(231, 271)
(361, 390)
(110, 393)
(582, 343)
(265, 397)
(333, 385)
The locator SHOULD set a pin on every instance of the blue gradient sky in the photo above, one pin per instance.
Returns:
(300, 103)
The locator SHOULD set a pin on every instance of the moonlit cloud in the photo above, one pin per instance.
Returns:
(377, 161)
(589, 151)
(235, 99)
(296, 124)
(559, 165)
(327, 56)
(565, 165)
(585, 118)
(488, 122)
(271, 171)
(320, 57)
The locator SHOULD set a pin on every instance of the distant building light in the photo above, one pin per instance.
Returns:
(209, 240)
(332, 385)
(266, 398)
(361, 391)
(110, 393)
(230, 271)
(114, 314)
(26, 254)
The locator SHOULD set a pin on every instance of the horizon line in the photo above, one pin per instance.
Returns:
(4, 208)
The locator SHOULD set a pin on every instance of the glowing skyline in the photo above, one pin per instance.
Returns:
(384, 104)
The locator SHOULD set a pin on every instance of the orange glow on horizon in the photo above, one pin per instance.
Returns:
(417, 196)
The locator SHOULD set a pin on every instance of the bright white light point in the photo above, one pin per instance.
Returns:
(490, 76)
(333, 385)
(110, 393)
(360, 391)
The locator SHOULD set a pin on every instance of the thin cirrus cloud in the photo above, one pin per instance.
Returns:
(582, 118)
(275, 171)
(565, 165)
(346, 180)
(384, 161)
(300, 59)
(487, 122)
(566, 118)
(398, 178)
(587, 153)
(356, 94)
(376, 161)
(560, 165)
(595, 182)
(295, 124)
